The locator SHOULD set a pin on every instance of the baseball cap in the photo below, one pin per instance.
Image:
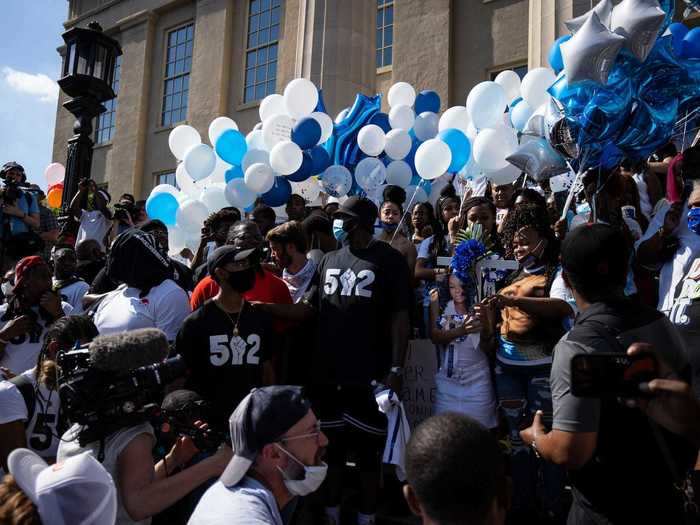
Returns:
(261, 418)
(359, 207)
(229, 254)
(77, 491)
(24, 266)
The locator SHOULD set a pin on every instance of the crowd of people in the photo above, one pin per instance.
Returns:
(159, 381)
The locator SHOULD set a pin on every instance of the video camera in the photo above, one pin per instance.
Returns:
(106, 401)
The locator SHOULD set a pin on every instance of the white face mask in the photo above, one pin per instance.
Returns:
(7, 288)
(313, 477)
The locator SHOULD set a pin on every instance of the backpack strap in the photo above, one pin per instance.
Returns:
(26, 388)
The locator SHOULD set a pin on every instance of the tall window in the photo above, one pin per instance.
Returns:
(261, 49)
(104, 127)
(385, 32)
(165, 177)
(178, 64)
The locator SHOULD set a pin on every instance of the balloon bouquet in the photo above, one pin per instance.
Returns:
(54, 174)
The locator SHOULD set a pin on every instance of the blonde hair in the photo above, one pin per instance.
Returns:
(15, 507)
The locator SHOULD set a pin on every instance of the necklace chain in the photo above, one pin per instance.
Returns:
(238, 318)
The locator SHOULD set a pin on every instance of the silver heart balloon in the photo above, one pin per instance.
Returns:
(639, 22)
(590, 54)
(535, 126)
(603, 9)
(539, 160)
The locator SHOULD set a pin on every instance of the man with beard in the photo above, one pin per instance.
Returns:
(228, 342)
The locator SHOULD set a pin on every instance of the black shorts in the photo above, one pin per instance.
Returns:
(353, 424)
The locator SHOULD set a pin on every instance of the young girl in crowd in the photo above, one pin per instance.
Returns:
(390, 214)
(422, 220)
(525, 323)
(29, 404)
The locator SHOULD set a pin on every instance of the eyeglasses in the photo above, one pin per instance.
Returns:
(304, 436)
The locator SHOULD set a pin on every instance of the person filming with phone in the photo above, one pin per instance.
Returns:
(622, 467)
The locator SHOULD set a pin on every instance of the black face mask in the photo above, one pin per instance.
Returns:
(242, 281)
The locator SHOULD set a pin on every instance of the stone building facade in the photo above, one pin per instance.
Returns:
(189, 61)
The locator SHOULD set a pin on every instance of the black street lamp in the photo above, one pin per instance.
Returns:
(88, 71)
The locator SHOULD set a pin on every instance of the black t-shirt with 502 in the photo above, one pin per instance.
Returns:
(356, 293)
(223, 367)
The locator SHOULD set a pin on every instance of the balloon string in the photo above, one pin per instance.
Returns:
(685, 128)
(688, 115)
(410, 203)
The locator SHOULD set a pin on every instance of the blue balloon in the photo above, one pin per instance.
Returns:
(320, 105)
(555, 58)
(381, 120)
(305, 170)
(306, 133)
(163, 206)
(427, 100)
(279, 193)
(231, 146)
(235, 172)
(690, 45)
(678, 32)
(459, 146)
(604, 116)
(320, 160)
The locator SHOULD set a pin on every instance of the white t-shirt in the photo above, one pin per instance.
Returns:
(644, 202)
(247, 503)
(22, 352)
(73, 295)
(114, 445)
(42, 430)
(674, 270)
(165, 307)
(93, 225)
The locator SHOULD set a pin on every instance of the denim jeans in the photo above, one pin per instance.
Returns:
(522, 390)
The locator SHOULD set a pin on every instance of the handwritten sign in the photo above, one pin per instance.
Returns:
(418, 395)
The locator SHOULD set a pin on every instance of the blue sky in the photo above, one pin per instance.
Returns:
(29, 67)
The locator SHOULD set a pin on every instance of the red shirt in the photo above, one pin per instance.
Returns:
(268, 288)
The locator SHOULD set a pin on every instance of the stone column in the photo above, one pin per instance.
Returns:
(547, 19)
(211, 63)
(126, 163)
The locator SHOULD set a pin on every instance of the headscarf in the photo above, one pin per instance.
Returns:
(136, 260)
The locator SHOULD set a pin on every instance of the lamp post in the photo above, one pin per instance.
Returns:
(87, 74)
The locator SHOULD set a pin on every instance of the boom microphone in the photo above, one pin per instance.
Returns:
(128, 351)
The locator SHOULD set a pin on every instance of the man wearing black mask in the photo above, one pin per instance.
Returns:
(182, 275)
(228, 342)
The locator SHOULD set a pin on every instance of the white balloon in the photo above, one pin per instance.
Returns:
(256, 140)
(399, 173)
(277, 128)
(259, 177)
(326, 124)
(370, 173)
(218, 126)
(336, 181)
(219, 173)
(510, 82)
(252, 156)
(191, 215)
(520, 114)
(300, 97)
(184, 182)
(309, 189)
(286, 157)
(371, 140)
(402, 117)
(485, 104)
(492, 146)
(238, 194)
(426, 125)
(433, 157)
(401, 94)
(270, 106)
(535, 85)
(176, 240)
(214, 197)
(471, 132)
(398, 144)
(414, 195)
(181, 139)
(340, 116)
(200, 161)
(506, 175)
(165, 188)
(455, 117)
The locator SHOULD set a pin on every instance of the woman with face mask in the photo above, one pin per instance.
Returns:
(392, 232)
(525, 322)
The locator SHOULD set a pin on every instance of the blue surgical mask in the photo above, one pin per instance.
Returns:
(694, 220)
(389, 227)
(338, 232)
